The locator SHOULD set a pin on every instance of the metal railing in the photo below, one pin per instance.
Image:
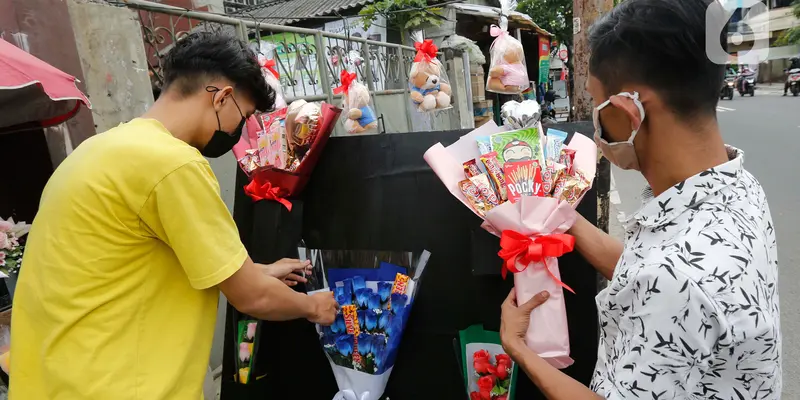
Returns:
(309, 61)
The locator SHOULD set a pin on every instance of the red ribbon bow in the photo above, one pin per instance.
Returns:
(270, 64)
(426, 50)
(347, 78)
(516, 246)
(266, 192)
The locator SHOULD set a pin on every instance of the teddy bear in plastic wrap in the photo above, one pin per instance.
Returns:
(360, 117)
(507, 73)
(428, 90)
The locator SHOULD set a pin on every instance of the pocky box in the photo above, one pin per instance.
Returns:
(523, 178)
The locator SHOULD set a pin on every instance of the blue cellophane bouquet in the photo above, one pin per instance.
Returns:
(375, 299)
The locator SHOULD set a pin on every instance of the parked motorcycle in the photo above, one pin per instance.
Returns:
(727, 88)
(793, 78)
(747, 84)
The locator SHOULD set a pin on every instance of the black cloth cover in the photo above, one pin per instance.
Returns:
(377, 192)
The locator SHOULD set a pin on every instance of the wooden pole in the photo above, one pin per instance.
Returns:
(585, 12)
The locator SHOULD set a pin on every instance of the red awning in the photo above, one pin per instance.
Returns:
(33, 92)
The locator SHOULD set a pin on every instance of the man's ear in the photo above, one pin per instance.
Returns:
(627, 105)
(222, 97)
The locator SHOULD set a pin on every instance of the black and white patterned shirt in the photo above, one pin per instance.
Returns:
(692, 310)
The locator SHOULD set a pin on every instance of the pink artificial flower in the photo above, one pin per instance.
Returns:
(251, 330)
(4, 242)
(244, 351)
(6, 226)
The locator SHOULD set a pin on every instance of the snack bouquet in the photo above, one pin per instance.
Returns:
(359, 116)
(281, 148)
(507, 71)
(374, 306)
(525, 186)
(427, 81)
(489, 373)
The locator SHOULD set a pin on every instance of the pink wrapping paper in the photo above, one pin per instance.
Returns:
(548, 333)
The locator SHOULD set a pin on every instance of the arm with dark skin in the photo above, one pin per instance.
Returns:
(597, 247)
(554, 384)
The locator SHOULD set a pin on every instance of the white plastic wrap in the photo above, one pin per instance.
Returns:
(358, 115)
(460, 43)
(507, 71)
(427, 81)
(269, 68)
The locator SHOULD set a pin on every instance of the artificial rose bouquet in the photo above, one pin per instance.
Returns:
(489, 373)
(12, 245)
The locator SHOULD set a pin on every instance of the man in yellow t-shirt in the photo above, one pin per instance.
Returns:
(118, 289)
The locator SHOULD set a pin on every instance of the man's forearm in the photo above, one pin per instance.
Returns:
(554, 384)
(596, 246)
(279, 302)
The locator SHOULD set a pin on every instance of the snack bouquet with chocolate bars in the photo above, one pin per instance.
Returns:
(279, 150)
(525, 186)
(375, 292)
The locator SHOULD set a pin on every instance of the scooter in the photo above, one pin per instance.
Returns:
(747, 84)
(727, 88)
(794, 81)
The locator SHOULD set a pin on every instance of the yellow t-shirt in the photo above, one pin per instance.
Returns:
(116, 297)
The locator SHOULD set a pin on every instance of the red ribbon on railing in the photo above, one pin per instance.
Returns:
(266, 192)
(426, 50)
(516, 246)
(270, 64)
(347, 78)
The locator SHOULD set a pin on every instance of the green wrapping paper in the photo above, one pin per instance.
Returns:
(478, 351)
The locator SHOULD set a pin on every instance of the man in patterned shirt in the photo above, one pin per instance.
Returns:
(691, 311)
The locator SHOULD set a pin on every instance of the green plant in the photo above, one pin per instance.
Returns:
(402, 15)
(554, 16)
(791, 35)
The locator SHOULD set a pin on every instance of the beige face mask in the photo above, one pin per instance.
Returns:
(621, 154)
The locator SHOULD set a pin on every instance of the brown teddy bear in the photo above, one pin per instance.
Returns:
(508, 73)
(428, 90)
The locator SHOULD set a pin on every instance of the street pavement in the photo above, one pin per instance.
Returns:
(767, 128)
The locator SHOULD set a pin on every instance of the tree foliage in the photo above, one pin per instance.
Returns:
(791, 35)
(554, 16)
(402, 15)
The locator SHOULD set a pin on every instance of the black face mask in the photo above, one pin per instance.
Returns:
(222, 142)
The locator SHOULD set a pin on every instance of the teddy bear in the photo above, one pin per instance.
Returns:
(507, 74)
(360, 117)
(428, 90)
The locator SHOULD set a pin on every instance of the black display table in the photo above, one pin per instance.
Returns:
(377, 193)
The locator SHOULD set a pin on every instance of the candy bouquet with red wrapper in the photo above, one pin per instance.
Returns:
(525, 186)
(280, 149)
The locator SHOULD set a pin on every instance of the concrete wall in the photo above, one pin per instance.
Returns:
(109, 40)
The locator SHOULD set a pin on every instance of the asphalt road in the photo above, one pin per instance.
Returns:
(767, 128)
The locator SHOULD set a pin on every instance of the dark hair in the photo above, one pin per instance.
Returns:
(202, 56)
(660, 44)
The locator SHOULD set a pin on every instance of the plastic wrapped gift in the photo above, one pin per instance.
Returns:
(430, 88)
(375, 291)
(359, 117)
(269, 68)
(507, 71)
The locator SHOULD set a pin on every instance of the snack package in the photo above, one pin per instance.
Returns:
(484, 144)
(481, 181)
(272, 146)
(269, 68)
(427, 80)
(496, 175)
(571, 188)
(359, 116)
(249, 162)
(519, 145)
(523, 178)
(550, 175)
(507, 71)
(567, 158)
(471, 168)
(473, 196)
(553, 144)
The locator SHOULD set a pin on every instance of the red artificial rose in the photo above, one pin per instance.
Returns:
(502, 370)
(475, 396)
(481, 362)
(486, 383)
(503, 356)
(503, 397)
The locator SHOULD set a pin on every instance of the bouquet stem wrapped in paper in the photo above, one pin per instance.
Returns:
(375, 299)
(531, 226)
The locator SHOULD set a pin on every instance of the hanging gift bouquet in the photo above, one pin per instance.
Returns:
(374, 306)
(507, 71)
(427, 81)
(359, 117)
(269, 69)
(525, 186)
